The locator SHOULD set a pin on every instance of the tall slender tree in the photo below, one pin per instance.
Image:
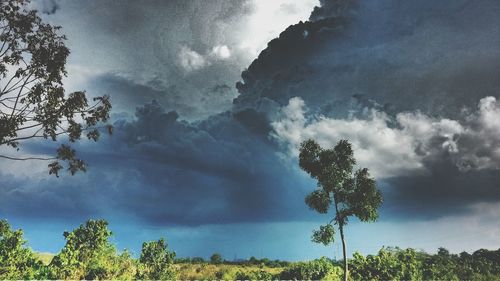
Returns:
(348, 192)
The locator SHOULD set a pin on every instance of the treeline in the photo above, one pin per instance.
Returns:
(88, 254)
(217, 259)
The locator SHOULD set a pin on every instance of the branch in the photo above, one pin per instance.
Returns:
(18, 95)
(27, 158)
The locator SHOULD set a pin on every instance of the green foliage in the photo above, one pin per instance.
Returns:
(17, 261)
(320, 269)
(255, 275)
(389, 264)
(325, 234)
(197, 260)
(261, 262)
(408, 264)
(155, 262)
(89, 255)
(351, 193)
(33, 102)
(442, 266)
(216, 258)
(319, 200)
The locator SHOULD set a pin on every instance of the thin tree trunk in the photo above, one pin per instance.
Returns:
(341, 228)
(346, 271)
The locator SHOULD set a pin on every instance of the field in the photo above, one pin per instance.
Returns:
(46, 258)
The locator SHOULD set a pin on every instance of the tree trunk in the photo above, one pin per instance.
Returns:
(346, 271)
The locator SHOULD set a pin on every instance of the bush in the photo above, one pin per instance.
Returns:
(155, 262)
(388, 264)
(226, 274)
(320, 269)
(216, 258)
(255, 275)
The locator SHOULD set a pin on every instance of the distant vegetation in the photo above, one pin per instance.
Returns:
(88, 254)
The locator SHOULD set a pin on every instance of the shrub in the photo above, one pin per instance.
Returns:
(319, 269)
(155, 262)
(216, 258)
(255, 275)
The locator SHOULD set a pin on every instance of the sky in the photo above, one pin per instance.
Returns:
(212, 98)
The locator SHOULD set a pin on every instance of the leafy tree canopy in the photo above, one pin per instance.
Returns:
(89, 255)
(33, 102)
(155, 262)
(16, 260)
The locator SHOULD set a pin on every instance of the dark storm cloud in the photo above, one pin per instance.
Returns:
(443, 191)
(394, 56)
(180, 48)
(168, 171)
(216, 167)
(47, 7)
(431, 56)
(435, 57)
(41, 199)
(125, 92)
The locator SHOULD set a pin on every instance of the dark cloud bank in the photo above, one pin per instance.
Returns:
(435, 57)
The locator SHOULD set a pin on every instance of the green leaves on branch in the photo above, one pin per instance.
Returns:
(33, 102)
(319, 200)
(325, 235)
(365, 199)
(351, 193)
(66, 153)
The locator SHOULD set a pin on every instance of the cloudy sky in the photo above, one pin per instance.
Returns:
(211, 99)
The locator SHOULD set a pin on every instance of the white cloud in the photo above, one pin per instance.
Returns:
(268, 19)
(221, 52)
(401, 145)
(190, 60)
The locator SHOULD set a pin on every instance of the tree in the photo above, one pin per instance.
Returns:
(89, 255)
(155, 262)
(33, 102)
(16, 261)
(216, 258)
(349, 193)
(442, 266)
